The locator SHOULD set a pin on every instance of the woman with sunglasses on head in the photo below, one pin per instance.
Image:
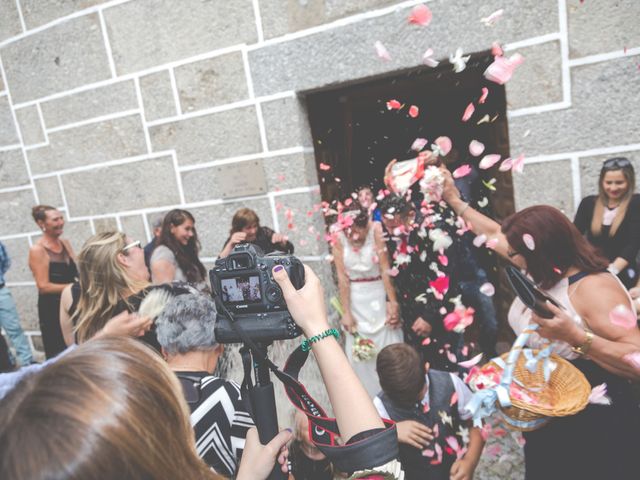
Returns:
(113, 280)
(598, 442)
(51, 259)
(611, 219)
(176, 256)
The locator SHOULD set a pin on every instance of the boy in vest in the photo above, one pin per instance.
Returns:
(437, 442)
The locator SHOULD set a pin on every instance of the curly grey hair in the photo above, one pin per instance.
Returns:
(186, 324)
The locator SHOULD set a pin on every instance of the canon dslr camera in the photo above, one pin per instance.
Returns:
(244, 284)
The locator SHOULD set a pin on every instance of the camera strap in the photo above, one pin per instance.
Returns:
(367, 449)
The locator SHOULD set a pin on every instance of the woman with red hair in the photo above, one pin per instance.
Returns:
(598, 442)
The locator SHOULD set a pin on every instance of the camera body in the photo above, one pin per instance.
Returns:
(244, 284)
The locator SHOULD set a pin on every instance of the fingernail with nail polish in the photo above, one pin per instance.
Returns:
(278, 268)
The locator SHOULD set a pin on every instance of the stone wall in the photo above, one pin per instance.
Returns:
(116, 110)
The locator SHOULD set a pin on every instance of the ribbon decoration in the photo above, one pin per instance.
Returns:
(483, 402)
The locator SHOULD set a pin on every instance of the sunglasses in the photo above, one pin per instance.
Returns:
(131, 245)
(615, 163)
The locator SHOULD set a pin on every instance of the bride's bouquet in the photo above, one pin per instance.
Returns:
(363, 348)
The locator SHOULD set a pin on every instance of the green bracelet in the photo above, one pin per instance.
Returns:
(306, 344)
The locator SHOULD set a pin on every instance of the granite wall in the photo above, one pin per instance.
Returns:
(116, 110)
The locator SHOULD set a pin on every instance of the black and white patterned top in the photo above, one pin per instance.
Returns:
(219, 418)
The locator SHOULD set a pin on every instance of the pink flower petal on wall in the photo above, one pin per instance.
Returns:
(518, 164)
(489, 161)
(418, 144)
(476, 148)
(468, 112)
(413, 111)
(529, 242)
(420, 15)
(502, 68)
(484, 95)
(623, 317)
(462, 171)
(444, 144)
(428, 60)
(382, 51)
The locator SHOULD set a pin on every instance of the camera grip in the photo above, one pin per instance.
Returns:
(263, 406)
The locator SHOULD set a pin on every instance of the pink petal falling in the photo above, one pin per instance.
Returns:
(476, 148)
(529, 242)
(382, 51)
(420, 15)
(471, 362)
(518, 164)
(483, 95)
(479, 240)
(598, 395)
(623, 317)
(468, 112)
(462, 171)
(419, 144)
(324, 167)
(394, 105)
(491, 20)
(444, 144)
(428, 60)
(502, 68)
(496, 50)
(487, 289)
(489, 161)
(506, 165)
(413, 111)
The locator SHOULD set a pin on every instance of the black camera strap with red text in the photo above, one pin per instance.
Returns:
(366, 450)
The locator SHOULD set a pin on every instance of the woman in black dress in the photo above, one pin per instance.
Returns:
(51, 260)
(611, 219)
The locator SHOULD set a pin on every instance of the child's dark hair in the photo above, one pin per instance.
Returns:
(401, 374)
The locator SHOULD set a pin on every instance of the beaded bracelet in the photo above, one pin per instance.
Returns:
(306, 344)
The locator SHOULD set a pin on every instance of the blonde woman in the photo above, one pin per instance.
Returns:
(113, 279)
(110, 410)
(611, 219)
(51, 260)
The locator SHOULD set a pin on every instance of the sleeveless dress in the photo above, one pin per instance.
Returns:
(368, 307)
(596, 444)
(62, 270)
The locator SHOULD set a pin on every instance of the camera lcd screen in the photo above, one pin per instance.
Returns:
(241, 289)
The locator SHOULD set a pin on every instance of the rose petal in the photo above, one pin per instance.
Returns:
(468, 112)
(471, 362)
(484, 95)
(476, 148)
(394, 105)
(489, 161)
(491, 20)
(496, 50)
(428, 60)
(480, 240)
(529, 242)
(381, 51)
(598, 395)
(418, 144)
(518, 164)
(324, 167)
(444, 144)
(622, 316)
(413, 111)
(506, 165)
(420, 15)
(501, 70)
(462, 171)
(488, 289)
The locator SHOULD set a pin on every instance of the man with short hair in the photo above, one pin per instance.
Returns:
(9, 319)
(426, 281)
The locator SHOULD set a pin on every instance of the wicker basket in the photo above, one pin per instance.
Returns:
(566, 393)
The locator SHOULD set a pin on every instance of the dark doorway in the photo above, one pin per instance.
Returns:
(357, 136)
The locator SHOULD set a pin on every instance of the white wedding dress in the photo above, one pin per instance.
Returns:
(368, 307)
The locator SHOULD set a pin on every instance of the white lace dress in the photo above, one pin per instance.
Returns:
(368, 307)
